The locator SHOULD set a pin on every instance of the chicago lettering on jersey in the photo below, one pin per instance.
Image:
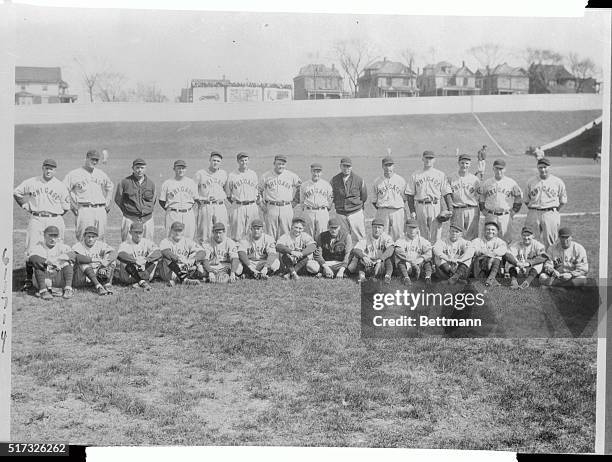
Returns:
(45, 190)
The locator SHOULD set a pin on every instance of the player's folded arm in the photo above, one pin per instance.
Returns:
(170, 255)
(244, 258)
(282, 248)
(38, 262)
(154, 256)
(125, 257)
(82, 259)
(309, 249)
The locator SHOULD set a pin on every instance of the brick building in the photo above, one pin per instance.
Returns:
(502, 80)
(445, 79)
(317, 81)
(387, 79)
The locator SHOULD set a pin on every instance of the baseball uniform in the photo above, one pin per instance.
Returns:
(100, 251)
(52, 265)
(334, 252)
(260, 252)
(412, 256)
(466, 193)
(139, 253)
(180, 197)
(91, 194)
(212, 209)
(242, 191)
(186, 251)
(46, 201)
(277, 192)
(461, 251)
(499, 197)
(527, 254)
(488, 255)
(288, 243)
(316, 198)
(572, 260)
(375, 249)
(482, 160)
(221, 255)
(388, 199)
(428, 186)
(544, 196)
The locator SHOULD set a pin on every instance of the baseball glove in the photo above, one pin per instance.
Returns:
(222, 278)
(103, 274)
(444, 216)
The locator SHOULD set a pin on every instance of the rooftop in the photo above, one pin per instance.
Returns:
(38, 74)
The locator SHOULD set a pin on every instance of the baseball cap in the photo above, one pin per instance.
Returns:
(90, 230)
(216, 153)
(377, 222)
(93, 154)
(49, 163)
(241, 155)
(218, 226)
(411, 223)
(316, 166)
(138, 161)
(333, 223)
(492, 223)
(500, 163)
(387, 160)
(177, 226)
(257, 223)
(565, 232)
(527, 229)
(544, 161)
(464, 157)
(298, 220)
(457, 227)
(52, 230)
(346, 161)
(429, 154)
(281, 157)
(180, 163)
(137, 226)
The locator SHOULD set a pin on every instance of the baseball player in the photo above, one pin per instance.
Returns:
(568, 264)
(453, 256)
(373, 255)
(95, 262)
(91, 194)
(53, 266)
(46, 199)
(500, 199)
(177, 197)
(183, 259)
(257, 252)
(316, 199)
(482, 162)
(296, 249)
(243, 193)
(413, 254)
(279, 188)
(138, 257)
(388, 199)
(539, 153)
(222, 258)
(488, 253)
(525, 257)
(546, 195)
(465, 188)
(350, 195)
(334, 248)
(211, 183)
(424, 191)
(136, 196)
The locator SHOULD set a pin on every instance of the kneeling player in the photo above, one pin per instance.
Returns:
(222, 264)
(373, 255)
(52, 261)
(95, 262)
(257, 252)
(568, 265)
(138, 258)
(182, 258)
(296, 249)
(525, 258)
(453, 256)
(488, 253)
(333, 250)
(413, 254)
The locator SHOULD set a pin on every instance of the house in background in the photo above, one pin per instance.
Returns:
(387, 79)
(444, 79)
(551, 78)
(502, 80)
(317, 81)
(41, 85)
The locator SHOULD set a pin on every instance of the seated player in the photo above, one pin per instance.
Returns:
(334, 248)
(222, 255)
(568, 265)
(52, 261)
(138, 258)
(413, 254)
(182, 258)
(488, 253)
(95, 262)
(296, 249)
(257, 252)
(453, 256)
(373, 255)
(525, 258)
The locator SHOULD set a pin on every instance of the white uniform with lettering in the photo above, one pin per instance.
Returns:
(98, 252)
(139, 252)
(419, 247)
(496, 246)
(212, 209)
(180, 197)
(461, 250)
(571, 260)
(220, 255)
(259, 250)
(466, 193)
(277, 192)
(428, 187)
(57, 258)
(524, 253)
(316, 198)
(543, 200)
(499, 196)
(388, 197)
(186, 249)
(242, 191)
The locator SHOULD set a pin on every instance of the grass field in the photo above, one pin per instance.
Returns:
(283, 363)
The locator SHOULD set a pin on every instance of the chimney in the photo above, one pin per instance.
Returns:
(462, 63)
(333, 67)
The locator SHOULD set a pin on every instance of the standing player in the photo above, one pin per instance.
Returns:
(242, 191)
(136, 197)
(211, 183)
(183, 259)
(257, 252)
(488, 253)
(334, 248)
(373, 255)
(91, 194)
(500, 199)
(546, 195)
(95, 262)
(46, 199)
(316, 198)
(279, 188)
(525, 258)
(296, 249)
(482, 162)
(178, 197)
(424, 191)
(465, 188)
(388, 199)
(350, 195)
(453, 257)
(138, 257)
(222, 257)
(413, 254)
(568, 264)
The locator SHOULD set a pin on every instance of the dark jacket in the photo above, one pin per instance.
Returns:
(136, 200)
(351, 198)
(339, 251)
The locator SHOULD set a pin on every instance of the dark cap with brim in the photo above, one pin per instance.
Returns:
(281, 157)
(346, 161)
(257, 223)
(428, 154)
(464, 157)
(137, 227)
(218, 226)
(544, 161)
(526, 229)
(216, 154)
(457, 227)
(387, 160)
(241, 155)
(316, 166)
(180, 163)
(52, 230)
(411, 223)
(90, 230)
(565, 232)
(49, 163)
(500, 163)
(93, 154)
(177, 226)
(377, 222)
(334, 223)
(138, 162)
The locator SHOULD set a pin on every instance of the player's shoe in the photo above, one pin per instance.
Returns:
(514, 284)
(264, 276)
(427, 280)
(144, 285)
(286, 276)
(27, 286)
(68, 292)
(57, 292)
(101, 291)
(492, 282)
(524, 285)
(406, 281)
(171, 283)
(319, 275)
(361, 278)
(191, 282)
(294, 276)
(387, 279)
(45, 295)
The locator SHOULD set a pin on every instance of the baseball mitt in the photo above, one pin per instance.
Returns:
(103, 275)
(444, 216)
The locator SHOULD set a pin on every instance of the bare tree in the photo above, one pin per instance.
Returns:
(354, 56)
(540, 56)
(488, 56)
(110, 87)
(409, 56)
(89, 76)
(146, 93)
(582, 69)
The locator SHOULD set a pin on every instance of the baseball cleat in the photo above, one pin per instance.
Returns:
(387, 279)
(294, 276)
(428, 281)
(170, 283)
(102, 291)
(109, 289)
(68, 292)
(145, 285)
(524, 285)
(318, 275)
(56, 292)
(191, 282)
(27, 286)
(514, 284)
(45, 295)
(406, 281)
(286, 276)
(361, 278)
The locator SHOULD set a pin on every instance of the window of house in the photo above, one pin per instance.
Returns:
(23, 87)
(45, 88)
(389, 81)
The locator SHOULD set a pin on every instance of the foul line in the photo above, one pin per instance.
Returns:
(489, 135)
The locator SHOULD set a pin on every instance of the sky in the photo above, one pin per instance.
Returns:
(172, 47)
